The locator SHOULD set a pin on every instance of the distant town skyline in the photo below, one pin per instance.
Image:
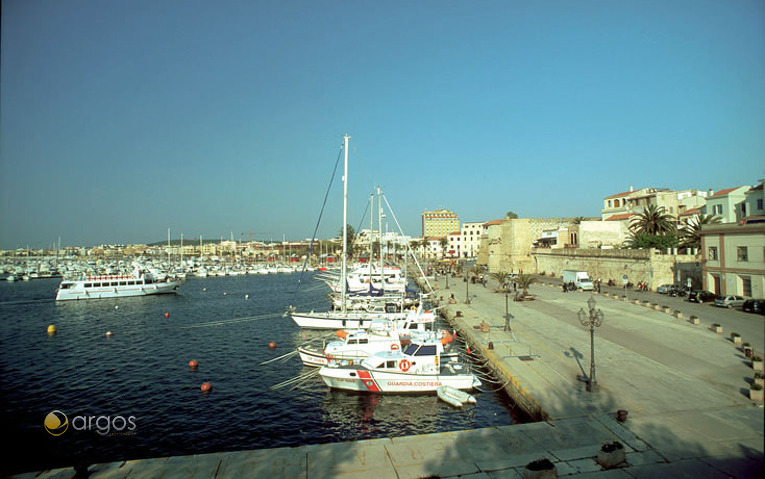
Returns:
(120, 120)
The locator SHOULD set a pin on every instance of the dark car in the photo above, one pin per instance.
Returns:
(754, 306)
(676, 290)
(701, 297)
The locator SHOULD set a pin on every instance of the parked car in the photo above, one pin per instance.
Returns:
(664, 288)
(754, 306)
(679, 291)
(672, 290)
(729, 301)
(701, 297)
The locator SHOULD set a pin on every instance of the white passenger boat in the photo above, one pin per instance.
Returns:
(417, 368)
(140, 283)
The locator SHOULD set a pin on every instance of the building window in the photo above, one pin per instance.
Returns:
(742, 253)
(746, 283)
(759, 204)
(717, 209)
(713, 253)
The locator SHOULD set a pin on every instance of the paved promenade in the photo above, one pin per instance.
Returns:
(684, 386)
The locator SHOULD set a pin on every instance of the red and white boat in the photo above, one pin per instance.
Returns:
(417, 368)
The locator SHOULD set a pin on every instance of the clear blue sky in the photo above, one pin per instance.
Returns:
(120, 119)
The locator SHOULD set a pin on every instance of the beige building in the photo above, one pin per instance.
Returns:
(734, 259)
(622, 206)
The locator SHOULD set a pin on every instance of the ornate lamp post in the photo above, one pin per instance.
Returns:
(592, 319)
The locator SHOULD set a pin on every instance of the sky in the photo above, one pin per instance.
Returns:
(120, 119)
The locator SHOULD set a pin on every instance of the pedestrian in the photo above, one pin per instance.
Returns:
(565, 287)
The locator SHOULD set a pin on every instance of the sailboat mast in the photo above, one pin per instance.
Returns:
(379, 226)
(343, 278)
(371, 234)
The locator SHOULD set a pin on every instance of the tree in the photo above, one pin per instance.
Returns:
(501, 277)
(652, 220)
(653, 241)
(444, 242)
(510, 215)
(691, 232)
(351, 239)
(524, 281)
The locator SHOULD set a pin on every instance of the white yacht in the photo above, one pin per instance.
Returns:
(139, 283)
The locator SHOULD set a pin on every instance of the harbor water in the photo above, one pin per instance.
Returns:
(132, 395)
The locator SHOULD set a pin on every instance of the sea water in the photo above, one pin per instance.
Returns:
(132, 394)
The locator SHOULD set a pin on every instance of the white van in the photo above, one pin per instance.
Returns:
(580, 279)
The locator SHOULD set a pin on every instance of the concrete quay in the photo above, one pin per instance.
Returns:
(685, 389)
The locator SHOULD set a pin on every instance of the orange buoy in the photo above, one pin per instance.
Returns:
(167, 314)
(206, 387)
(272, 345)
(193, 364)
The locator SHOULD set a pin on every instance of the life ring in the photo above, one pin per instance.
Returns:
(413, 308)
(404, 365)
(394, 347)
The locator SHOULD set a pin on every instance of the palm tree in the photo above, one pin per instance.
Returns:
(652, 220)
(691, 232)
(351, 239)
(444, 243)
(524, 281)
(501, 277)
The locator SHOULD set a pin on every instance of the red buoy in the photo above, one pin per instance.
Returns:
(193, 364)
(272, 345)
(206, 387)
(167, 314)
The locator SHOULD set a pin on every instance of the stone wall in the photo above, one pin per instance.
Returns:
(650, 266)
(510, 243)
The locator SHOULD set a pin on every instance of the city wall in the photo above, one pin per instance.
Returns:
(651, 266)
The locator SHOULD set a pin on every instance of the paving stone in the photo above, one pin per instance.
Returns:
(683, 469)
(429, 455)
(280, 462)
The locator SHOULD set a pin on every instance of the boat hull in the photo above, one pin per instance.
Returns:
(364, 380)
(330, 320)
(72, 294)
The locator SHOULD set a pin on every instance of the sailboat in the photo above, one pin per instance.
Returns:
(344, 317)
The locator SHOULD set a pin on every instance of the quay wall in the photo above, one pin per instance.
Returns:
(523, 399)
(512, 386)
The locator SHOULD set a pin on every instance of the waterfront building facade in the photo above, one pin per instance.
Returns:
(734, 259)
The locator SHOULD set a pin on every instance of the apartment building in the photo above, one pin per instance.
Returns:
(622, 206)
(734, 259)
(727, 204)
(439, 223)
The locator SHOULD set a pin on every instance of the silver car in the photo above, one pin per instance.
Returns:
(729, 301)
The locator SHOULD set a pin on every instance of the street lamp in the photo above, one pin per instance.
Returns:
(592, 319)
